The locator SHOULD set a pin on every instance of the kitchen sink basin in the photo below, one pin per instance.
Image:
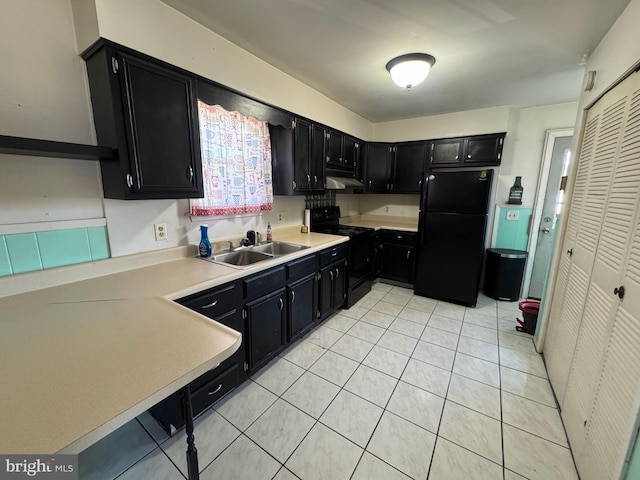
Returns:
(278, 248)
(241, 258)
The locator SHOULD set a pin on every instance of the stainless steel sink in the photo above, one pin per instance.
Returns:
(241, 258)
(278, 248)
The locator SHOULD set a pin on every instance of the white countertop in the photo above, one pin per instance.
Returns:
(81, 359)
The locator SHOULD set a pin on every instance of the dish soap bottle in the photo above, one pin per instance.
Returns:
(269, 234)
(515, 192)
(205, 245)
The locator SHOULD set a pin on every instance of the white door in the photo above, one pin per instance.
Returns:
(547, 230)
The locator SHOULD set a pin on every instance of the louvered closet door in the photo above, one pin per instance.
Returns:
(593, 180)
(593, 359)
(614, 239)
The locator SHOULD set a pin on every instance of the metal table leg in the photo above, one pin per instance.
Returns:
(192, 452)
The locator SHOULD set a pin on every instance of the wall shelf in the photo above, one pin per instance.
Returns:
(48, 148)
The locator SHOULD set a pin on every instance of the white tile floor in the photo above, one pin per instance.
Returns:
(397, 387)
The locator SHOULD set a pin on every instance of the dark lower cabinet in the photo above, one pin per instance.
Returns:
(301, 305)
(222, 304)
(397, 252)
(266, 327)
(332, 288)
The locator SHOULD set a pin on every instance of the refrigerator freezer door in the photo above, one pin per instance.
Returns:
(458, 192)
(450, 257)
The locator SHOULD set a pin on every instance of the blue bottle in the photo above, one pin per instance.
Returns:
(205, 244)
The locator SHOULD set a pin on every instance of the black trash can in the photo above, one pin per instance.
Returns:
(503, 273)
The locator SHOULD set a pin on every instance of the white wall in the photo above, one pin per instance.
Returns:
(43, 95)
(522, 153)
(471, 122)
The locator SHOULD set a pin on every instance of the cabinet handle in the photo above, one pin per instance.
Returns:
(129, 179)
(392, 186)
(369, 183)
(331, 274)
(114, 64)
(570, 252)
(408, 254)
(212, 304)
(619, 291)
(456, 157)
(315, 179)
(309, 179)
(293, 296)
(337, 273)
(328, 158)
(213, 392)
(334, 254)
(281, 302)
(469, 156)
(190, 172)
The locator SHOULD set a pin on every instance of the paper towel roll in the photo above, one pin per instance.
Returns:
(307, 218)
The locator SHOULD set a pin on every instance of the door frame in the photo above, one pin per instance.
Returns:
(541, 191)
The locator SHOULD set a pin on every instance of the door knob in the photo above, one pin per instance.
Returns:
(546, 230)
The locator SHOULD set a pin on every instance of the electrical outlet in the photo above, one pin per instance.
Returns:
(161, 231)
(281, 217)
(386, 209)
(513, 214)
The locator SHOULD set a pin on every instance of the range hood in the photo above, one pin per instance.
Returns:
(341, 183)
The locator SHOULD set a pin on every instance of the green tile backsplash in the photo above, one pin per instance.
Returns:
(26, 252)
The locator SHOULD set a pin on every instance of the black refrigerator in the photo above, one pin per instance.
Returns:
(451, 235)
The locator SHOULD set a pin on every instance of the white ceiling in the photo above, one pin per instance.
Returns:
(488, 52)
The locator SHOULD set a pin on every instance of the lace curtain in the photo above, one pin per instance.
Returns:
(236, 163)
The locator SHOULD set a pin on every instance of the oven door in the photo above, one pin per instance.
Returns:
(360, 258)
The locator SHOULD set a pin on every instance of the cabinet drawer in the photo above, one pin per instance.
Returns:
(301, 267)
(264, 283)
(333, 254)
(398, 237)
(215, 388)
(212, 303)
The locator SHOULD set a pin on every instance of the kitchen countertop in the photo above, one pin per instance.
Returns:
(380, 222)
(88, 356)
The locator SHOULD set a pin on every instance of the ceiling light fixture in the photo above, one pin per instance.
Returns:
(411, 69)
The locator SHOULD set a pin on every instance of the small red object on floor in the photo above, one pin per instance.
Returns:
(529, 309)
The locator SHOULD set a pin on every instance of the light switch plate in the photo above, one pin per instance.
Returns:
(513, 214)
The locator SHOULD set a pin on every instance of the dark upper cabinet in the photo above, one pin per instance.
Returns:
(148, 111)
(334, 148)
(342, 154)
(377, 167)
(350, 152)
(408, 166)
(297, 158)
(484, 150)
(479, 150)
(394, 168)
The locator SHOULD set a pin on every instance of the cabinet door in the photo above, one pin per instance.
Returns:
(318, 153)
(351, 152)
(334, 149)
(325, 291)
(447, 152)
(397, 262)
(408, 167)
(302, 155)
(339, 284)
(301, 303)
(161, 121)
(266, 327)
(484, 150)
(377, 164)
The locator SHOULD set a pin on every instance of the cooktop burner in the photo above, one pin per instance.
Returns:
(326, 220)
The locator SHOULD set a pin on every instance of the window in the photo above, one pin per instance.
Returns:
(236, 163)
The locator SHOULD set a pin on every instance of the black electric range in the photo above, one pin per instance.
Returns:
(360, 263)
